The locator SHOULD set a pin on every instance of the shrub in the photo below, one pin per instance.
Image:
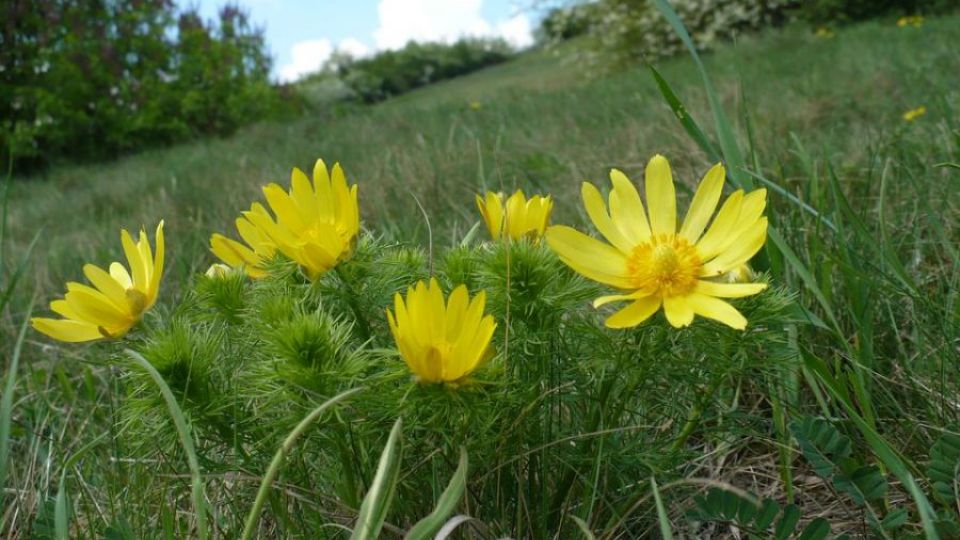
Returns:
(390, 73)
(89, 80)
(564, 23)
(633, 29)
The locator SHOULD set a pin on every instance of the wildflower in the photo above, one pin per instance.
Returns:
(519, 219)
(913, 114)
(441, 342)
(915, 21)
(476, 105)
(654, 264)
(316, 223)
(824, 32)
(117, 300)
(218, 270)
(253, 256)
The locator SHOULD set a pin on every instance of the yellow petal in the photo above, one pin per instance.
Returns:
(588, 256)
(604, 300)
(704, 203)
(626, 210)
(717, 236)
(138, 268)
(232, 252)
(66, 330)
(678, 310)
(634, 313)
(324, 192)
(303, 196)
(95, 308)
(158, 261)
(661, 197)
(718, 310)
(104, 282)
(120, 274)
(729, 290)
(597, 210)
(743, 249)
(288, 216)
(456, 312)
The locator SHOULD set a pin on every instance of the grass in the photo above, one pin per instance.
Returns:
(869, 219)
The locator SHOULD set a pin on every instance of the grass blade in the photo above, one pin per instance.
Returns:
(725, 135)
(373, 510)
(666, 532)
(584, 528)
(429, 526)
(6, 400)
(186, 440)
(689, 124)
(274, 469)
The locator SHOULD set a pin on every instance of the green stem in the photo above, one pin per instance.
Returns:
(362, 323)
(693, 420)
(251, 522)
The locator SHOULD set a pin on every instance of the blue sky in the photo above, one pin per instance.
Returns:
(301, 34)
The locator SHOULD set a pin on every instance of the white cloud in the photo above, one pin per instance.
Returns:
(310, 56)
(402, 21)
(354, 47)
(306, 57)
(516, 31)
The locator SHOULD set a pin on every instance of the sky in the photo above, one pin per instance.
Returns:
(302, 34)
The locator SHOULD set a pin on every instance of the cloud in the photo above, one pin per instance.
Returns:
(516, 31)
(306, 57)
(354, 47)
(402, 21)
(310, 56)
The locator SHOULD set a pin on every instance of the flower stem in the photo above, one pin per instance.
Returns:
(693, 419)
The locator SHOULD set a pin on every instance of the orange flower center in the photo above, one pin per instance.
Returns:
(667, 265)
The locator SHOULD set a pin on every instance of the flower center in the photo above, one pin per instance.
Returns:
(667, 265)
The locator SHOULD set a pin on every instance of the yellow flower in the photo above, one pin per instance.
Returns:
(441, 343)
(251, 257)
(316, 223)
(913, 114)
(824, 32)
(476, 105)
(117, 300)
(654, 264)
(218, 270)
(913, 20)
(521, 217)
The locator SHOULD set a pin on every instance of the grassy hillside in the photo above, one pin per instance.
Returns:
(882, 248)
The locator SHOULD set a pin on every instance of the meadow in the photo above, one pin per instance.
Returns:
(863, 376)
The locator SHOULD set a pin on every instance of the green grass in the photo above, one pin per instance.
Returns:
(875, 262)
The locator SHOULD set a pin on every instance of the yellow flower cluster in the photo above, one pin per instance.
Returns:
(915, 21)
(913, 114)
(686, 270)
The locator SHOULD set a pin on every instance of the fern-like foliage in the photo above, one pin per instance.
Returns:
(763, 519)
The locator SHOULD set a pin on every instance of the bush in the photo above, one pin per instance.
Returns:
(565, 23)
(390, 73)
(89, 80)
(634, 29)
(843, 11)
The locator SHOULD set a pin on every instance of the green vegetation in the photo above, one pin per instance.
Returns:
(844, 421)
(91, 80)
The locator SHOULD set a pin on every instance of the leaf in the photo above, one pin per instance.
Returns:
(584, 528)
(864, 484)
(186, 440)
(447, 503)
(821, 443)
(788, 522)
(376, 504)
(250, 524)
(6, 400)
(944, 467)
(687, 121)
(818, 529)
